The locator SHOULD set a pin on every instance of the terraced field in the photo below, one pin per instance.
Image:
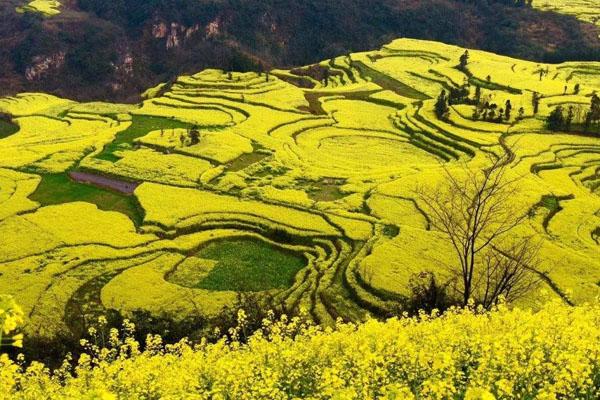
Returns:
(146, 207)
(586, 10)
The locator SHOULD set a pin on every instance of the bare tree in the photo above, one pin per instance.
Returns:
(476, 212)
(510, 273)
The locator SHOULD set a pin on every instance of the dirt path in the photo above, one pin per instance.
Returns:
(105, 182)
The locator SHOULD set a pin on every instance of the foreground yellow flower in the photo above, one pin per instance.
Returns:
(479, 394)
(504, 354)
(17, 340)
(11, 318)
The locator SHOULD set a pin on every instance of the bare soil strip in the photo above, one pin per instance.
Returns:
(105, 182)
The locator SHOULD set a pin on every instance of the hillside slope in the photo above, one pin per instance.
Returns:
(314, 170)
(112, 50)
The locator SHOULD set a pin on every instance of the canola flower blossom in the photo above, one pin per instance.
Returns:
(11, 318)
(464, 354)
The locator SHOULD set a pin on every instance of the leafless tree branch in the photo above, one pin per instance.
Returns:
(475, 211)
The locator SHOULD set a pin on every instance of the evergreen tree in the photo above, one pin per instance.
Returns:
(508, 108)
(500, 115)
(576, 89)
(521, 113)
(477, 94)
(194, 135)
(459, 95)
(595, 109)
(486, 109)
(569, 119)
(464, 60)
(326, 75)
(441, 106)
(556, 120)
(588, 122)
(535, 101)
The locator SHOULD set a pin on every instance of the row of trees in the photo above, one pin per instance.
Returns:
(484, 108)
(488, 111)
(565, 118)
(191, 136)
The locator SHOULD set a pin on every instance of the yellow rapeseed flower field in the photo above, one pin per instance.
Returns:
(586, 10)
(101, 202)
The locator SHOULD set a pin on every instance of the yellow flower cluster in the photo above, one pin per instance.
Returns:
(11, 317)
(464, 354)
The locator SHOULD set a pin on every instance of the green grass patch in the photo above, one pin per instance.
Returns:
(141, 125)
(60, 189)
(249, 265)
(7, 129)
(552, 204)
(391, 231)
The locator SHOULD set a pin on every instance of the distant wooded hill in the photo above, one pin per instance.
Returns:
(113, 50)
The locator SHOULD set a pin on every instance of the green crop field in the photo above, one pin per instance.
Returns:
(7, 129)
(287, 184)
(247, 265)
